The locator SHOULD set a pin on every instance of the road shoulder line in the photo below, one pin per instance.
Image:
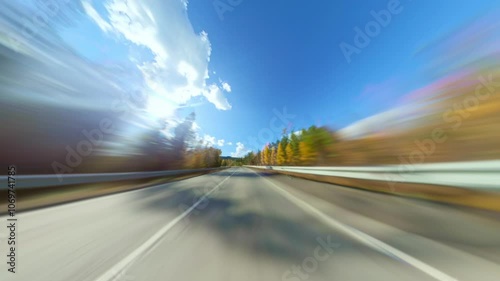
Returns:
(361, 236)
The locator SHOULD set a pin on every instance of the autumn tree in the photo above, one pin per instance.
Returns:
(312, 146)
(281, 154)
(266, 156)
(258, 158)
(273, 156)
(316, 146)
(289, 154)
(307, 153)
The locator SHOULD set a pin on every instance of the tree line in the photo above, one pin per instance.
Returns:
(307, 147)
(181, 151)
(456, 121)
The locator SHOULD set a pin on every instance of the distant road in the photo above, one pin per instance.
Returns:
(238, 224)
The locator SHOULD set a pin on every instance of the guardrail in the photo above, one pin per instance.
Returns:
(38, 181)
(478, 174)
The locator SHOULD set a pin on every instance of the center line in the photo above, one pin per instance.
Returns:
(128, 260)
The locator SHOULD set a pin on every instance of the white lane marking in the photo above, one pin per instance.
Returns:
(128, 260)
(364, 238)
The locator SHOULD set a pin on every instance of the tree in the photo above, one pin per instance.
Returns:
(289, 154)
(251, 158)
(183, 134)
(294, 142)
(307, 153)
(316, 146)
(266, 156)
(204, 157)
(273, 156)
(157, 152)
(312, 146)
(281, 154)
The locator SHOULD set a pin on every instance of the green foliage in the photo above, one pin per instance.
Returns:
(316, 145)
(251, 159)
(289, 154)
(294, 143)
(312, 146)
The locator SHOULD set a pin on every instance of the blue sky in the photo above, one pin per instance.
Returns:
(264, 57)
(283, 54)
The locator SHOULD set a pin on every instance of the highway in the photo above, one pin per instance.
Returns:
(240, 224)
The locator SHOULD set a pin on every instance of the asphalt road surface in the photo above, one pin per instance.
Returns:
(240, 224)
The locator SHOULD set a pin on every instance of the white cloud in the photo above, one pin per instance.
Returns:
(220, 143)
(195, 127)
(226, 87)
(241, 150)
(297, 133)
(209, 140)
(187, 70)
(94, 15)
(179, 68)
(229, 143)
(215, 96)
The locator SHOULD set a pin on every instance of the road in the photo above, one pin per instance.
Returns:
(240, 224)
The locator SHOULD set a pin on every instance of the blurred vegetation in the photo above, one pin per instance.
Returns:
(457, 118)
(35, 148)
(159, 152)
(308, 147)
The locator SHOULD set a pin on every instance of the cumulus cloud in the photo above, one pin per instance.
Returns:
(215, 96)
(209, 140)
(179, 68)
(241, 150)
(195, 127)
(226, 87)
(220, 143)
(229, 143)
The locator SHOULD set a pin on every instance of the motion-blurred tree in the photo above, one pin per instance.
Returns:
(266, 156)
(183, 134)
(281, 154)
(250, 159)
(316, 146)
(289, 154)
(294, 142)
(307, 153)
(273, 156)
